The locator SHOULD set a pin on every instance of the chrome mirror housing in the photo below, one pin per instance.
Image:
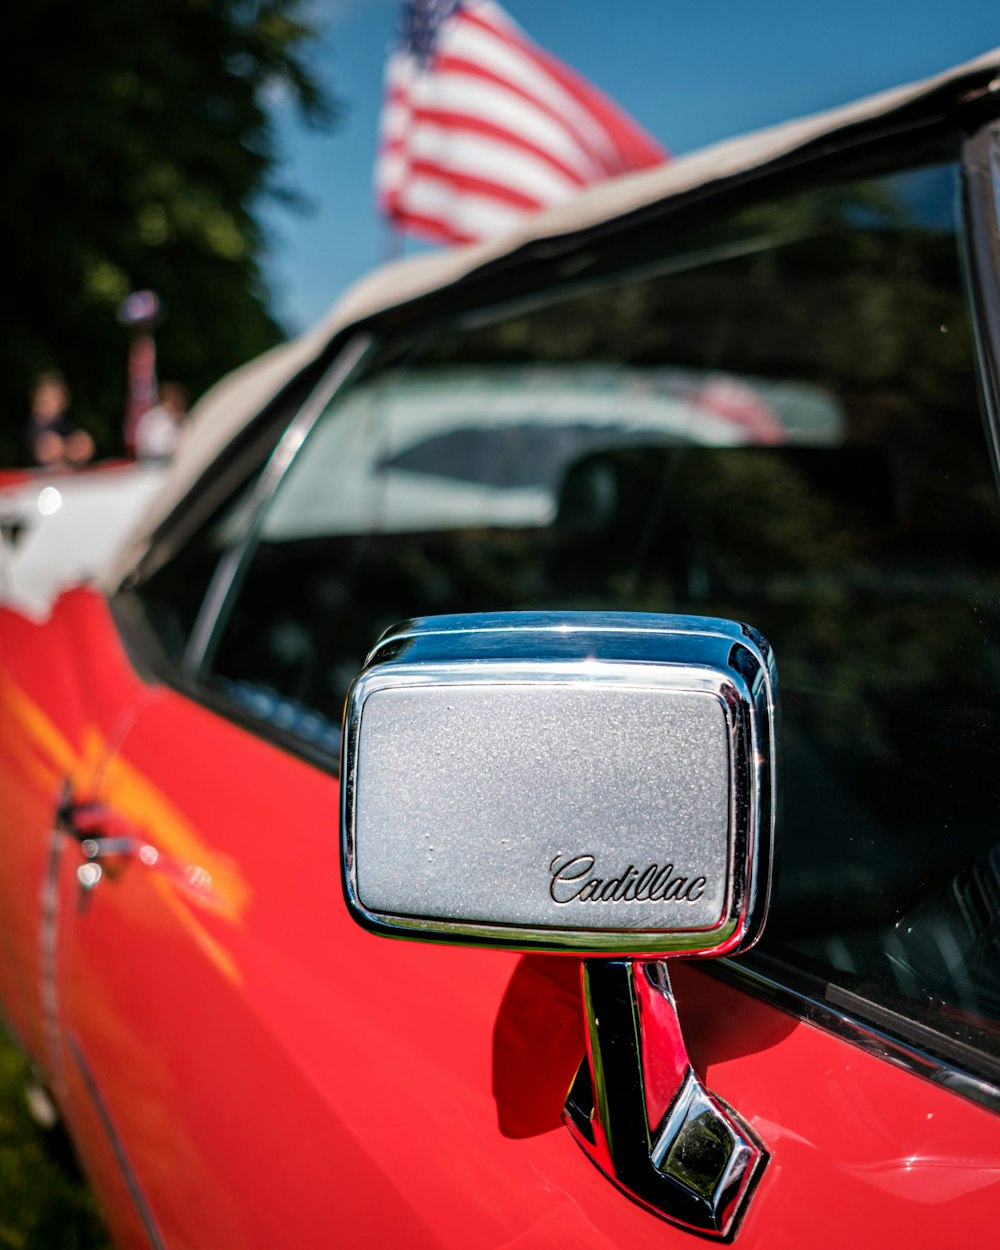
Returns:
(594, 783)
(587, 783)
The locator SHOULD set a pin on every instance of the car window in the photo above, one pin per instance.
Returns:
(172, 593)
(776, 422)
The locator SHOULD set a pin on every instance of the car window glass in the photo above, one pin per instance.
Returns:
(777, 423)
(174, 578)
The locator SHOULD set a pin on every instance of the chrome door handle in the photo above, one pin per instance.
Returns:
(98, 829)
(100, 833)
(96, 848)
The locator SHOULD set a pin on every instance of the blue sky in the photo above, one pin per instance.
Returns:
(691, 73)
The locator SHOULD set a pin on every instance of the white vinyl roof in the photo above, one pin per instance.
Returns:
(237, 398)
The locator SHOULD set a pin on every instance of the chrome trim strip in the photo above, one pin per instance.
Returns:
(117, 1146)
(980, 239)
(48, 967)
(867, 1037)
(211, 615)
(995, 167)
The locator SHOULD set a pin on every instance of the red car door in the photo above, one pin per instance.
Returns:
(245, 1066)
(199, 985)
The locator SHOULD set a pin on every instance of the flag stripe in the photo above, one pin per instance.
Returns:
(463, 95)
(593, 102)
(492, 159)
(469, 216)
(481, 127)
(634, 148)
(590, 151)
(486, 187)
(473, 126)
(478, 47)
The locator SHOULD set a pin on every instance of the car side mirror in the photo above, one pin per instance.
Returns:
(597, 784)
(602, 784)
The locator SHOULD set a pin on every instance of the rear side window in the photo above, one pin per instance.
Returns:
(776, 422)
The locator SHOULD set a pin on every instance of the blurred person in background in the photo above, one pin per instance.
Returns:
(53, 441)
(160, 430)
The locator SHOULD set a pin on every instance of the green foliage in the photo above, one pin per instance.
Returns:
(44, 1203)
(137, 143)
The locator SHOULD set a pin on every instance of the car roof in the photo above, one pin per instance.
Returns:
(240, 396)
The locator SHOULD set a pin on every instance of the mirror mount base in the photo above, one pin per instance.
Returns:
(642, 1114)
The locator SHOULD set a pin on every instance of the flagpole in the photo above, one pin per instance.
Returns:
(393, 243)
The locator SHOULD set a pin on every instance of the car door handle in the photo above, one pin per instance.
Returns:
(110, 840)
(96, 848)
(101, 833)
(98, 829)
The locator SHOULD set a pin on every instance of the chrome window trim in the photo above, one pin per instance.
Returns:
(980, 241)
(850, 1027)
(213, 614)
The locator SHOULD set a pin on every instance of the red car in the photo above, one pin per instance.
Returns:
(760, 385)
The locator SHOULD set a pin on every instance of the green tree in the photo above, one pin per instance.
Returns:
(137, 142)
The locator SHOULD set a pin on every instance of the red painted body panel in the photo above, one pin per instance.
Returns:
(279, 1077)
(16, 476)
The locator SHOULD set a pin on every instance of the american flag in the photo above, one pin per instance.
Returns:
(480, 126)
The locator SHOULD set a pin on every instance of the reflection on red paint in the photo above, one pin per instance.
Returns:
(538, 1044)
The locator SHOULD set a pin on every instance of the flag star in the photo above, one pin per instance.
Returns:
(422, 21)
